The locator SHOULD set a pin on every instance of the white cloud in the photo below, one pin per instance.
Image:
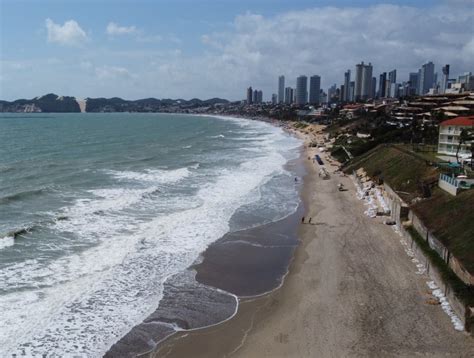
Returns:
(329, 40)
(70, 34)
(112, 72)
(115, 29)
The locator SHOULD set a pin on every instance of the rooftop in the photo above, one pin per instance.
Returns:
(459, 121)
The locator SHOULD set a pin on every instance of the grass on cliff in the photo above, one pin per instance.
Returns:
(451, 219)
(403, 171)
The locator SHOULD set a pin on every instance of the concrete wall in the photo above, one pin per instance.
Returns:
(399, 215)
(447, 186)
(398, 208)
(463, 312)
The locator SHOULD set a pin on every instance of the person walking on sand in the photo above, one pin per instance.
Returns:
(309, 221)
(302, 220)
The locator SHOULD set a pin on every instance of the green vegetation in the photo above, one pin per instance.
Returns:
(464, 292)
(402, 170)
(451, 219)
(300, 125)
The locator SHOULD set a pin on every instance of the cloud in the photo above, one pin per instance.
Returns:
(112, 72)
(329, 40)
(114, 29)
(69, 34)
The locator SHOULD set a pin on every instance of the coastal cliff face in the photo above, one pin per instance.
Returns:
(54, 103)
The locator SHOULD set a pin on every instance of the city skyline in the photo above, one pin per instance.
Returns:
(160, 51)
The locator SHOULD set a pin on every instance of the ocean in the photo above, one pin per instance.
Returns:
(99, 212)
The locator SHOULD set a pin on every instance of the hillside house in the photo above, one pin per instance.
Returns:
(449, 132)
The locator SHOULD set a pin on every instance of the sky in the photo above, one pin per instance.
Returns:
(204, 49)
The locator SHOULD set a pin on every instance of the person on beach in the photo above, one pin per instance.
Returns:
(302, 220)
(309, 221)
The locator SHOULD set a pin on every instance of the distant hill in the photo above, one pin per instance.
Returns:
(48, 103)
(54, 103)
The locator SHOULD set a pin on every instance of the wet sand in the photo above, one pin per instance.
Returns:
(351, 291)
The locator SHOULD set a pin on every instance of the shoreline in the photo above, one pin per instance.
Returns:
(332, 302)
(167, 320)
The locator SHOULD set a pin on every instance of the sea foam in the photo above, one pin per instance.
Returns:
(85, 301)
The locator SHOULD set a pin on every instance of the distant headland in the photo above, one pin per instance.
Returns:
(51, 103)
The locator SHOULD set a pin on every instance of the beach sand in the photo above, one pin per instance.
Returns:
(351, 290)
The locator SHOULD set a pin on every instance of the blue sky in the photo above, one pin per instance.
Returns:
(184, 48)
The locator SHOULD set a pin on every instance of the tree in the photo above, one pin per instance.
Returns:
(466, 136)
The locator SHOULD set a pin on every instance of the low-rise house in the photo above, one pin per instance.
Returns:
(449, 133)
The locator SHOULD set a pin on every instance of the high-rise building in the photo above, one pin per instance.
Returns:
(274, 98)
(467, 81)
(366, 81)
(394, 87)
(426, 78)
(444, 79)
(382, 80)
(249, 95)
(358, 82)
(350, 93)
(363, 81)
(289, 95)
(347, 80)
(301, 96)
(255, 96)
(373, 88)
(314, 89)
(281, 89)
(332, 94)
(392, 78)
(259, 96)
(413, 83)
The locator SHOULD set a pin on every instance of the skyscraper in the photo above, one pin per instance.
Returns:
(274, 98)
(281, 89)
(249, 95)
(301, 90)
(392, 78)
(413, 83)
(373, 88)
(350, 93)
(382, 80)
(426, 78)
(288, 95)
(255, 96)
(314, 89)
(363, 81)
(444, 79)
(366, 81)
(332, 94)
(259, 96)
(358, 82)
(347, 80)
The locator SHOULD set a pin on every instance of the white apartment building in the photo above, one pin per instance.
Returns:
(449, 132)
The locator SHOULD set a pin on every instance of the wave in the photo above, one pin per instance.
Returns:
(10, 237)
(118, 281)
(7, 241)
(22, 195)
(158, 176)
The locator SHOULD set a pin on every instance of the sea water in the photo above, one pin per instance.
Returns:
(98, 210)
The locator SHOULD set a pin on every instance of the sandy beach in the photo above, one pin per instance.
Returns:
(351, 290)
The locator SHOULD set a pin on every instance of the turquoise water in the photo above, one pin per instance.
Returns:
(97, 210)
